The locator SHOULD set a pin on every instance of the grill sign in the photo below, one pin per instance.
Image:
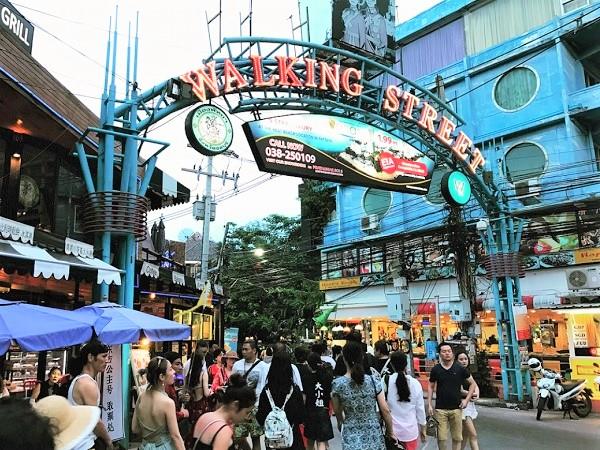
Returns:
(19, 29)
(338, 149)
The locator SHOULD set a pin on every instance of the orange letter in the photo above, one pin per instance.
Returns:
(200, 80)
(257, 69)
(287, 76)
(231, 74)
(310, 73)
(477, 160)
(331, 75)
(428, 115)
(356, 88)
(410, 101)
(391, 103)
(461, 144)
(445, 129)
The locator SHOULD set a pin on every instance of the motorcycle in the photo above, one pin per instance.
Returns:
(555, 395)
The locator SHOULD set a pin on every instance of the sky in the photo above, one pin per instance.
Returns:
(70, 41)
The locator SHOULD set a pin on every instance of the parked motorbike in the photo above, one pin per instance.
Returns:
(555, 395)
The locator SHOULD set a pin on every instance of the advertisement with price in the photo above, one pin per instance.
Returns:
(338, 149)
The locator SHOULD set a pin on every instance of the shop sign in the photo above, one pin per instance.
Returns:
(338, 148)
(150, 270)
(112, 399)
(339, 283)
(231, 338)
(310, 75)
(178, 278)
(16, 231)
(587, 255)
(522, 327)
(16, 26)
(209, 130)
(587, 369)
(456, 188)
(580, 335)
(140, 358)
(78, 248)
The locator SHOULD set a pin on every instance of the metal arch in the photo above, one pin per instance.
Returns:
(159, 102)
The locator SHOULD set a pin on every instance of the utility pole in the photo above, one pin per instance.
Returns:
(206, 209)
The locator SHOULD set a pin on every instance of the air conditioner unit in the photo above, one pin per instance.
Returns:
(369, 223)
(585, 278)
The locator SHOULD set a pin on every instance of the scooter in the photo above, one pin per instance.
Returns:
(560, 396)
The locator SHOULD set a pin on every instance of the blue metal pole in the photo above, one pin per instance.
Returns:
(85, 168)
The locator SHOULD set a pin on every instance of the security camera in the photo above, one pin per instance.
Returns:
(482, 224)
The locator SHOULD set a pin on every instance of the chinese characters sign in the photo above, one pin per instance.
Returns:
(112, 399)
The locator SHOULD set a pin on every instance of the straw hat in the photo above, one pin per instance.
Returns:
(231, 354)
(72, 423)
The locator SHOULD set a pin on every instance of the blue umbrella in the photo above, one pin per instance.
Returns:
(115, 324)
(37, 328)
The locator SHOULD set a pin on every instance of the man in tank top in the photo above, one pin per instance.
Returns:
(84, 390)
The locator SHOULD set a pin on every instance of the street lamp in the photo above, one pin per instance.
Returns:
(259, 252)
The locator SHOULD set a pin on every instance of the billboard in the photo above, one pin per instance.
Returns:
(365, 24)
(338, 149)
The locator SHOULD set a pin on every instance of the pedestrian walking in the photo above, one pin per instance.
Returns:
(154, 417)
(317, 425)
(251, 369)
(47, 387)
(356, 397)
(83, 390)
(222, 376)
(446, 380)
(175, 393)
(281, 394)
(198, 390)
(218, 354)
(470, 412)
(407, 407)
(214, 430)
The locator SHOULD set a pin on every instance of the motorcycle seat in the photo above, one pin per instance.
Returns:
(567, 386)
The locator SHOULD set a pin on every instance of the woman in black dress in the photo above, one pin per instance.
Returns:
(279, 384)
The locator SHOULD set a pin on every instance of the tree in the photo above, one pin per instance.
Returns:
(270, 295)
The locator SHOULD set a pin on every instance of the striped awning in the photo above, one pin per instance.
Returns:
(57, 265)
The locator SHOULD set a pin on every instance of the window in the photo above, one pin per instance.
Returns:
(435, 188)
(572, 5)
(516, 88)
(377, 202)
(524, 162)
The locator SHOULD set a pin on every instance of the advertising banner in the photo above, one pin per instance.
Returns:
(367, 25)
(338, 149)
(112, 399)
(231, 338)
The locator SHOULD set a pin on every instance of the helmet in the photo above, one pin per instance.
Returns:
(534, 364)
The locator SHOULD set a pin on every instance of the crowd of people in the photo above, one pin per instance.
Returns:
(217, 400)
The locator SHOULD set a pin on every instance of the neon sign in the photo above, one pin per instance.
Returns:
(308, 73)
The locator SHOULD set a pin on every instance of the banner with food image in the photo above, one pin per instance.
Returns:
(338, 149)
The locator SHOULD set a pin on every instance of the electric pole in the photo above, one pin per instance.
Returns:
(205, 209)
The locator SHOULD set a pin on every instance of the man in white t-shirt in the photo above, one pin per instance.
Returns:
(252, 369)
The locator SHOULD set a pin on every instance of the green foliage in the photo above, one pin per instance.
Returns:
(317, 200)
(272, 295)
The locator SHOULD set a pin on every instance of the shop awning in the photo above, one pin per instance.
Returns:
(57, 265)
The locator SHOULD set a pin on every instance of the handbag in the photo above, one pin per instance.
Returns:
(431, 427)
(390, 443)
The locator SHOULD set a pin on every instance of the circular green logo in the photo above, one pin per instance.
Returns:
(209, 130)
(456, 188)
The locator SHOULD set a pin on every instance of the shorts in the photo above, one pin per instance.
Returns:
(317, 425)
(470, 411)
(449, 420)
(412, 445)
(249, 428)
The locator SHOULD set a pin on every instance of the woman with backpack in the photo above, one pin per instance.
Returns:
(281, 406)
(356, 397)
(317, 425)
(405, 398)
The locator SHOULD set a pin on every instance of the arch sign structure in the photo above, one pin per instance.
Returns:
(366, 124)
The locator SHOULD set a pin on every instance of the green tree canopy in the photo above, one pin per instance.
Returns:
(270, 295)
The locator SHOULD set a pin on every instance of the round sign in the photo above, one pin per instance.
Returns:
(456, 188)
(209, 130)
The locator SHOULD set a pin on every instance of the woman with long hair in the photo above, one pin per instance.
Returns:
(214, 430)
(154, 416)
(470, 412)
(199, 390)
(280, 386)
(317, 387)
(355, 400)
(405, 398)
